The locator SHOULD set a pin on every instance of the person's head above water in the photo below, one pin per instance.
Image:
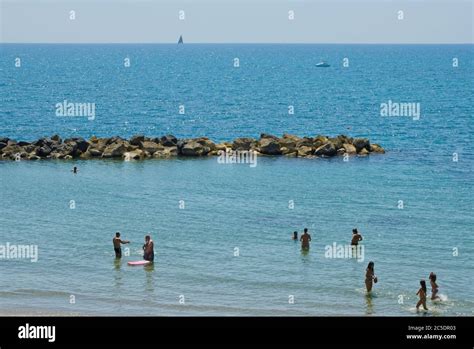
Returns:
(433, 277)
(147, 238)
(117, 234)
(305, 230)
(354, 231)
(295, 235)
(371, 266)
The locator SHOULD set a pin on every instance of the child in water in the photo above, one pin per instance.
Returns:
(434, 286)
(422, 293)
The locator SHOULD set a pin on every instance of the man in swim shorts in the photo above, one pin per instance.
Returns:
(305, 239)
(117, 248)
(148, 252)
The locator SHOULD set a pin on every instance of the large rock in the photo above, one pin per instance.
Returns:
(327, 149)
(194, 148)
(375, 148)
(306, 141)
(43, 151)
(56, 139)
(95, 152)
(319, 141)
(150, 147)
(304, 151)
(363, 152)
(266, 135)
(169, 141)
(114, 150)
(78, 143)
(2, 145)
(137, 140)
(136, 154)
(269, 146)
(244, 143)
(361, 143)
(349, 148)
(166, 152)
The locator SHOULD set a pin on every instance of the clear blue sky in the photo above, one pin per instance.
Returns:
(232, 21)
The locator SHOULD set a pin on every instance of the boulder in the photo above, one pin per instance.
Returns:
(166, 152)
(95, 152)
(150, 147)
(11, 149)
(194, 148)
(115, 139)
(269, 146)
(375, 148)
(363, 152)
(222, 147)
(338, 142)
(266, 135)
(4, 140)
(306, 141)
(114, 150)
(304, 151)
(361, 143)
(291, 137)
(320, 140)
(244, 143)
(67, 157)
(327, 149)
(136, 154)
(56, 139)
(33, 157)
(169, 141)
(137, 140)
(349, 148)
(2, 145)
(43, 151)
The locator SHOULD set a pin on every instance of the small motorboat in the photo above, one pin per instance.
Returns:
(322, 65)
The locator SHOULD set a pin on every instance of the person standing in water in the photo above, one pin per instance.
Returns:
(370, 277)
(295, 235)
(434, 286)
(422, 293)
(117, 241)
(305, 239)
(356, 237)
(148, 251)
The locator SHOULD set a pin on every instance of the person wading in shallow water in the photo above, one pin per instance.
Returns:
(295, 236)
(75, 169)
(370, 277)
(148, 252)
(117, 248)
(356, 237)
(305, 239)
(422, 294)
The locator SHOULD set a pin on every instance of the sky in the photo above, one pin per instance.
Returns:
(237, 21)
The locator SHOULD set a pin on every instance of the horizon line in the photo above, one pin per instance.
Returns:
(238, 43)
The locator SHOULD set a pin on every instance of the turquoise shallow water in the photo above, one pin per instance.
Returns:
(235, 206)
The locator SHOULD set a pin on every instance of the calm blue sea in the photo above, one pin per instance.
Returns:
(229, 208)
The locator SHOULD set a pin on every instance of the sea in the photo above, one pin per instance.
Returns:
(222, 232)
